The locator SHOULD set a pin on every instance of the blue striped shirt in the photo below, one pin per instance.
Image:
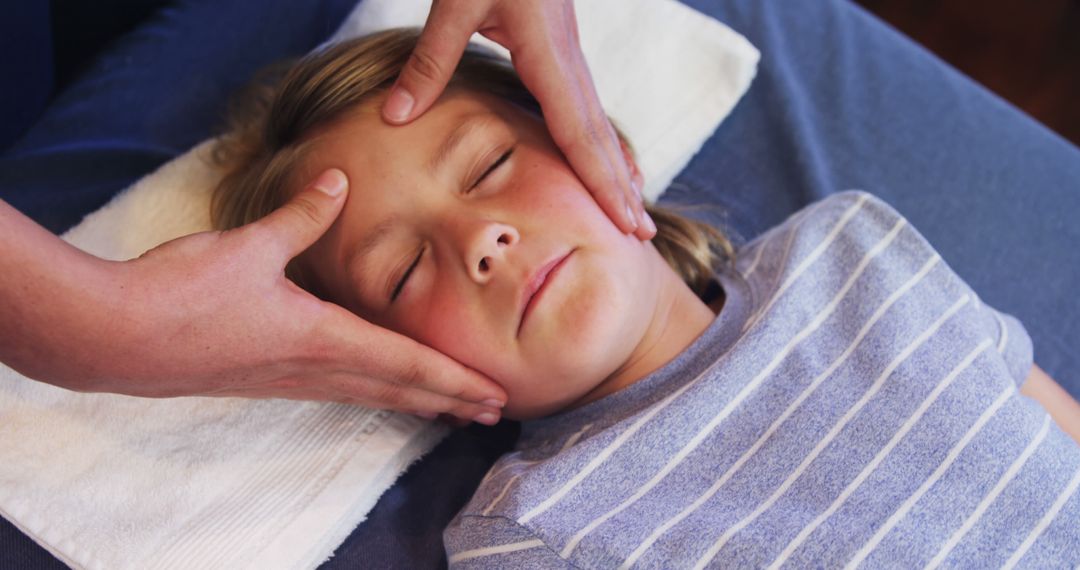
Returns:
(853, 404)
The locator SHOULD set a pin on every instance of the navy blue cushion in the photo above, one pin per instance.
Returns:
(26, 66)
(150, 96)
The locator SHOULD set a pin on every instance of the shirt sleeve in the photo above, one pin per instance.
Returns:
(1010, 339)
(473, 541)
(1008, 335)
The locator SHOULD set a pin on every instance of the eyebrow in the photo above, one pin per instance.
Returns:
(460, 134)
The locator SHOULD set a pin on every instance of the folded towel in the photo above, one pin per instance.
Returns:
(107, 481)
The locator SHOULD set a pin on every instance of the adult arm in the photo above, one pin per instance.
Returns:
(1062, 407)
(212, 314)
(542, 37)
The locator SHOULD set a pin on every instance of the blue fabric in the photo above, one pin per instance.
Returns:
(152, 95)
(28, 76)
(840, 101)
(404, 529)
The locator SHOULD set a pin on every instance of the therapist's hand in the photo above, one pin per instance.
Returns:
(212, 314)
(542, 37)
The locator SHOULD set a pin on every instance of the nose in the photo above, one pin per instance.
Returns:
(488, 244)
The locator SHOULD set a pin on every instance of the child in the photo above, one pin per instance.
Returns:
(831, 394)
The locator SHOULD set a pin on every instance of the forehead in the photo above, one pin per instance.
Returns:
(361, 139)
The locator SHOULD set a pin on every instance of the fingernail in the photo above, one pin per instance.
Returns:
(649, 223)
(331, 183)
(493, 403)
(399, 105)
(427, 415)
(486, 418)
(631, 217)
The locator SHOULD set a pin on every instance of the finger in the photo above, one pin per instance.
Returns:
(646, 226)
(616, 150)
(612, 148)
(346, 388)
(426, 405)
(548, 64)
(438, 50)
(647, 230)
(307, 216)
(421, 402)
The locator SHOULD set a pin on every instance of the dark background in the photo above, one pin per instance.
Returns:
(1026, 52)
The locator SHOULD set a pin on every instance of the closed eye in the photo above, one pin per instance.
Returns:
(405, 278)
(498, 162)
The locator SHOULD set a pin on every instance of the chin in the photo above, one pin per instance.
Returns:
(590, 336)
(593, 343)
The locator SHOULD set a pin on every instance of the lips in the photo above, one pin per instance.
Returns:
(537, 284)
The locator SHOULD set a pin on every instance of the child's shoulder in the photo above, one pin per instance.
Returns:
(836, 235)
(855, 215)
(857, 203)
(849, 209)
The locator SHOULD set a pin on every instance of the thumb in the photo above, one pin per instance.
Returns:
(306, 217)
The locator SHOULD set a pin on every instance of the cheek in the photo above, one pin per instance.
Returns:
(442, 324)
(560, 205)
(547, 179)
(455, 328)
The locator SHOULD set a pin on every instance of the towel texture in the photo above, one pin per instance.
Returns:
(106, 481)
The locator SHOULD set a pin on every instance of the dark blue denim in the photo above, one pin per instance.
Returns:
(841, 101)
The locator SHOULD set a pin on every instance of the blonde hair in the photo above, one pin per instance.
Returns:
(265, 137)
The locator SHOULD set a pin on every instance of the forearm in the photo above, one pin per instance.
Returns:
(1061, 406)
(53, 302)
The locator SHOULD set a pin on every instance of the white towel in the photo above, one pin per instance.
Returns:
(105, 481)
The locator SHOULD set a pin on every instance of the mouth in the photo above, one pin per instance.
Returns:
(537, 284)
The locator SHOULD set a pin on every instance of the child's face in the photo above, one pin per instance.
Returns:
(474, 202)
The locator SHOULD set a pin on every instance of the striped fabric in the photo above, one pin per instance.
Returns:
(853, 405)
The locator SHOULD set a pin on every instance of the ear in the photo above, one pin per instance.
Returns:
(628, 155)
